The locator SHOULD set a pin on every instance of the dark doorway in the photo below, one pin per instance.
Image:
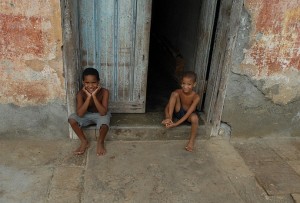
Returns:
(161, 74)
(173, 48)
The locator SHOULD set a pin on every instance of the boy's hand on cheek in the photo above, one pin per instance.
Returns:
(96, 90)
(87, 92)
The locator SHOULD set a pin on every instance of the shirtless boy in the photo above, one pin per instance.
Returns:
(91, 108)
(182, 105)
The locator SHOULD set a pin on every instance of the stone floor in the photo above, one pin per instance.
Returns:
(219, 170)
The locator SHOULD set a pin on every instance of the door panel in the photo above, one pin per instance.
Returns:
(114, 39)
(205, 34)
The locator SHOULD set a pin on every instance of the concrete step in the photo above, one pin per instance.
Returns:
(132, 127)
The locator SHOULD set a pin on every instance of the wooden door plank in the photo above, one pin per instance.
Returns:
(143, 23)
(205, 32)
(87, 33)
(114, 39)
(227, 29)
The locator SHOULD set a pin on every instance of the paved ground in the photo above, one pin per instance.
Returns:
(252, 170)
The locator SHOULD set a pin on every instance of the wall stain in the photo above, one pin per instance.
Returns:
(30, 53)
(33, 92)
(277, 48)
(20, 35)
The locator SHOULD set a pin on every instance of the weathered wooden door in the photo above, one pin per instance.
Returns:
(114, 39)
(205, 35)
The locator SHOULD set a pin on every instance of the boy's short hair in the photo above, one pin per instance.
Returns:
(190, 74)
(90, 71)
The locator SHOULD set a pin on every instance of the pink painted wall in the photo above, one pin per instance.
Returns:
(279, 22)
(32, 94)
(273, 52)
(263, 91)
(30, 52)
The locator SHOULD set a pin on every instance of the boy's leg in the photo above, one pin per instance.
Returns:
(195, 122)
(100, 142)
(84, 142)
(174, 104)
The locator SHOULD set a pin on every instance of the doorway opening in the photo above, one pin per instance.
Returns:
(182, 38)
(179, 31)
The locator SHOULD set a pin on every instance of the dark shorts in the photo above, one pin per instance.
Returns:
(179, 114)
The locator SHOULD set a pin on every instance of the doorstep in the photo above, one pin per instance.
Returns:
(147, 126)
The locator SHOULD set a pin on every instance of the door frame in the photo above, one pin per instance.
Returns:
(228, 21)
(223, 47)
(70, 55)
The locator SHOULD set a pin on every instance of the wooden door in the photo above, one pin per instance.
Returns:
(228, 23)
(114, 39)
(205, 35)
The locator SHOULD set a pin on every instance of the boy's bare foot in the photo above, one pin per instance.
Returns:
(100, 149)
(189, 147)
(81, 149)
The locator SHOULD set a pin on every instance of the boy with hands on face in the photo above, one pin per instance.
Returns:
(91, 108)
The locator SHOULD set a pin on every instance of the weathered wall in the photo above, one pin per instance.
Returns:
(263, 93)
(32, 96)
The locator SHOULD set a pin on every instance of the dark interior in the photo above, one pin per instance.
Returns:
(173, 41)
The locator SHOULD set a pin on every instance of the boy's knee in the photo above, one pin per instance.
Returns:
(194, 118)
(72, 121)
(174, 95)
(104, 127)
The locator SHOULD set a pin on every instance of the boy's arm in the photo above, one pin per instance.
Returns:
(168, 117)
(189, 112)
(82, 106)
(102, 105)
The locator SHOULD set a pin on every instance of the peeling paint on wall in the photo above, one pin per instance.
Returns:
(263, 91)
(21, 37)
(273, 52)
(31, 68)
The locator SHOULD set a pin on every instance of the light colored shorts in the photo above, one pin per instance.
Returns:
(91, 118)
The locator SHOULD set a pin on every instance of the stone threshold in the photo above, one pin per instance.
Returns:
(147, 126)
